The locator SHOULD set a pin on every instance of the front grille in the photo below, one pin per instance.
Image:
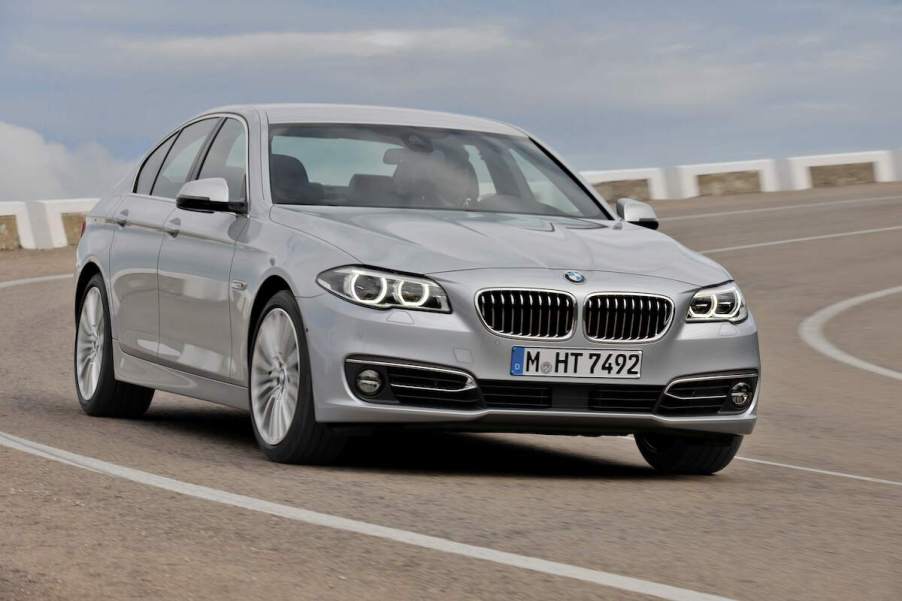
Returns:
(527, 313)
(626, 317)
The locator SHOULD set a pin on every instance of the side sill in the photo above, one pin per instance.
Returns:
(152, 375)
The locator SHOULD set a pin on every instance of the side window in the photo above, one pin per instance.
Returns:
(227, 159)
(181, 158)
(151, 167)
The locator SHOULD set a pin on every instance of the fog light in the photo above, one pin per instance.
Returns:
(741, 394)
(369, 382)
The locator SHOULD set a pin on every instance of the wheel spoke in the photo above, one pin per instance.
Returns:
(89, 343)
(275, 374)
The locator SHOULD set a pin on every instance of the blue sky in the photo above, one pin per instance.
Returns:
(610, 84)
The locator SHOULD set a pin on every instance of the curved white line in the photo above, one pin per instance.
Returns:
(37, 280)
(315, 518)
(298, 514)
(812, 332)
(807, 205)
(804, 239)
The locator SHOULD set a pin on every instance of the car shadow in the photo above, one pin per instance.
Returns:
(480, 454)
(414, 453)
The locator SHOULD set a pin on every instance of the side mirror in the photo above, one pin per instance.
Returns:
(640, 213)
(210, 195)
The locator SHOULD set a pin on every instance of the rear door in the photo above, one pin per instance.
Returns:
(195, 263)
(136, 244)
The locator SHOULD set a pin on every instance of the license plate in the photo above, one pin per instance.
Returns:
(575, 363)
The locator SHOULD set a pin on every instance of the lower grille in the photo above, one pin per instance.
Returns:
(447, 388)
(703, 395)
(513, 395)
(430, 387)
(527, 313)
(629, 398)
(610, 398)
(416, 385)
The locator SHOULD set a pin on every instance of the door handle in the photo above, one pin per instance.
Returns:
(173, 227)
(121, 219)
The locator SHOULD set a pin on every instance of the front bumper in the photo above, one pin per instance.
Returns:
(338, 330)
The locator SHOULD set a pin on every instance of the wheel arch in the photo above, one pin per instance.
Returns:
(273, 284)
(89, 270)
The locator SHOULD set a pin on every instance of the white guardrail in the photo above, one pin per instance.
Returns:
(56, 223)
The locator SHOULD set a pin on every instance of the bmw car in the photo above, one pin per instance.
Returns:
(340, 270)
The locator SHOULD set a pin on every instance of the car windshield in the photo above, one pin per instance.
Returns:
(420, 168)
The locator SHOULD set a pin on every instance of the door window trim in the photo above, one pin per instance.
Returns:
(195, 166)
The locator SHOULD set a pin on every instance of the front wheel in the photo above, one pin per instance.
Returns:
(281, 389)
(100, 394)
(676, 454)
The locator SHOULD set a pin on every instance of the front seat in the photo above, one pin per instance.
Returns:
(289, 183)
(436, 181)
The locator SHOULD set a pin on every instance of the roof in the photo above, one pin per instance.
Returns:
(375, 115)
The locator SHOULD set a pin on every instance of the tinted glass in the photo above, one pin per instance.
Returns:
(420, 168)
(181, 158)
(227, 158)
(151, 167)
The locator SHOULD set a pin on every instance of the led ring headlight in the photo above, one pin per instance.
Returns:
(358, 293)
(382, 289)
(404, 296)
(721, 303)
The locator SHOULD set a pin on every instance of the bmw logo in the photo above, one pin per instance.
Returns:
(575, 277)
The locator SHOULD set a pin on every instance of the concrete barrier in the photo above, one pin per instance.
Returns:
(642, 184)
(840, 169)
(51, 223)
(57, 223)
(15, 226)
(712, 179)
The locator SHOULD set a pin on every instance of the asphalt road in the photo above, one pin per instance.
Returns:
(812, 511)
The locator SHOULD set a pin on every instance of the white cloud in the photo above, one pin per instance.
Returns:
(34, 168)
(270, 48)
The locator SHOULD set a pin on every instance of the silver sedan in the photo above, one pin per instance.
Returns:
(336, 270)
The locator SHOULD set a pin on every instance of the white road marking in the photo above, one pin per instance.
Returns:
(37, 280)
(812, 332)
(800, 468)
(805, 239)
(535, 564)
(832, 203)
(822, 472)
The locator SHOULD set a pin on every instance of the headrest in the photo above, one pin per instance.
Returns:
(287, 170)
(436, 180)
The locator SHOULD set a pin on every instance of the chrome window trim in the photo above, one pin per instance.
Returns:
(571, 330)
(178, 130)
(663, 333)
(469, 384)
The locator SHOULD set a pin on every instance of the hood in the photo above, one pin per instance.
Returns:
(435, 241)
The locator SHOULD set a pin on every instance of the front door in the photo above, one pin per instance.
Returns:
(195, 264)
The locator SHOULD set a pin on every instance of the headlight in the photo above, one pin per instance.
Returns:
(385, 290)
(721, 303)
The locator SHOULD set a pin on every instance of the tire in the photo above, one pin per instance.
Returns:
(279, 375)
(675, 454)
(99, 393)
